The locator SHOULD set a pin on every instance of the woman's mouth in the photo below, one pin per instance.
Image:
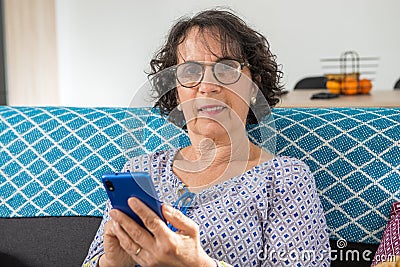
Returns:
(211, 109)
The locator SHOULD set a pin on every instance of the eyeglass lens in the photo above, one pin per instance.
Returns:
(190, 74)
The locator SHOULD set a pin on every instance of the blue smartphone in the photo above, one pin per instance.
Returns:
(121, 186)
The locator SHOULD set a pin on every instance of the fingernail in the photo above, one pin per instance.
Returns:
(112, 213)
(133, 201)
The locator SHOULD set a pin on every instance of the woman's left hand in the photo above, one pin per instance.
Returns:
(165, 247)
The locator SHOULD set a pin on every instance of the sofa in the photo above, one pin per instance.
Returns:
(52, 160)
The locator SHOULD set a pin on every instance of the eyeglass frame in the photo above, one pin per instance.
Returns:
(203, 65)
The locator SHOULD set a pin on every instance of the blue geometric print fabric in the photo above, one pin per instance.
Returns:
(52, 159)
(354, 154)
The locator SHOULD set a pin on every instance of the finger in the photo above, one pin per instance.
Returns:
(130, 246)
(180, 221)
(135, 232)
(108, 229)
(111, 241)
(150, 219)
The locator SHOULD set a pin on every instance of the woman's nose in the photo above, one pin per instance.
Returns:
(209, 84)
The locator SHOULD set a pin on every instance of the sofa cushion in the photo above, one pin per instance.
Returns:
(354, 154)
(46, 241)
(10, 261)
(52, 159)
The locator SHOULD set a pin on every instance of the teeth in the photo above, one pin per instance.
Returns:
(212, 109)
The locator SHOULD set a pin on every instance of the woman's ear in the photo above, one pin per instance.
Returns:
(254, 90)
(253, 95)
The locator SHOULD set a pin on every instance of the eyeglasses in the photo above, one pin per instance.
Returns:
(225, 71)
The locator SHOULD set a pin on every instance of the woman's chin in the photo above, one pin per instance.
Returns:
(210, 128)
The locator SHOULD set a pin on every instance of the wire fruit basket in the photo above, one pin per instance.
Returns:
(348, 81)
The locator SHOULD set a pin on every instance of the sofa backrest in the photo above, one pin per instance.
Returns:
(52, 159)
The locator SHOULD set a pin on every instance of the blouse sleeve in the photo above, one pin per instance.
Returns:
(97, 248)
(295, 232)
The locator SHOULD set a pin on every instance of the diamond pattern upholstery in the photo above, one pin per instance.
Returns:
(354, 155)
(52, 159)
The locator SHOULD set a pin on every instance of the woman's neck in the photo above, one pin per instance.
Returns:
(218, 152)
(202, 166)
(208, 161)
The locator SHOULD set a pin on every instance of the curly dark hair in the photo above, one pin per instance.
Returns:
(236, 39)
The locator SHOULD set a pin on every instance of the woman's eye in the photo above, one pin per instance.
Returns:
(192, 70)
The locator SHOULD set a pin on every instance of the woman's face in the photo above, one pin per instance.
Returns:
(212, 109)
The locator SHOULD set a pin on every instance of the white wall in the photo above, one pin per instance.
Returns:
(104, 46)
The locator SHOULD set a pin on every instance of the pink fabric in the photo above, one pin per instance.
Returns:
(390, 244)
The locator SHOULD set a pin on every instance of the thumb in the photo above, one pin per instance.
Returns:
(185, 225)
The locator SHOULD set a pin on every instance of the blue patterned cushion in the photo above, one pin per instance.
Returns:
(52, 159)
(354, 154)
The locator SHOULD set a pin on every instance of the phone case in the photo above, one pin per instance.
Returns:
(121, 186)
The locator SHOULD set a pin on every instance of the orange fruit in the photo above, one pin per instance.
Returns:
(351, 91)
(365, 86)
(350, 86)
(333, 86)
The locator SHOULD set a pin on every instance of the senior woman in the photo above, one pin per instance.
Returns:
(246, 207)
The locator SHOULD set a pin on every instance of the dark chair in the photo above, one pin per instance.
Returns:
(318, 82)
(397, 85)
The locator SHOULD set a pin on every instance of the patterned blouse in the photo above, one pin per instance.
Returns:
(270, 215)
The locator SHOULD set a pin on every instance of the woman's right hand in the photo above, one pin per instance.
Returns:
(114, 254)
